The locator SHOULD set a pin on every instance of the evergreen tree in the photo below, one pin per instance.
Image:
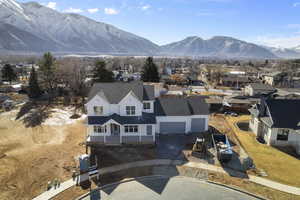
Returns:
(150, 71)
(34, 90)
(8, 73)
(101, 74)
(47, 69)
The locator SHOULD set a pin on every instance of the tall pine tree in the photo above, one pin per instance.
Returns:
(34, 90)
(101, 74)
(8, 73)
(150, 71)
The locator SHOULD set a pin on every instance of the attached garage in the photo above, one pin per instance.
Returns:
(172, 127)
(198, 125)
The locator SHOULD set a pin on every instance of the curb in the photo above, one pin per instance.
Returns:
(238, 190)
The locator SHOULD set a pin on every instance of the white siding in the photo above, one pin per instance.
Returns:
(97, 101)
(130, 100)
(120, 109)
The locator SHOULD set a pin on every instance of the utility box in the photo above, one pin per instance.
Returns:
(84, 163)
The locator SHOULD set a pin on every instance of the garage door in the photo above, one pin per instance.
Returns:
(172, 127)
(198, 125)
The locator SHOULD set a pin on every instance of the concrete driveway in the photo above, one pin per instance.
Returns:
(179, 188)
(171, 146)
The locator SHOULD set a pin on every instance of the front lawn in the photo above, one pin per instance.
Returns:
(279, 166)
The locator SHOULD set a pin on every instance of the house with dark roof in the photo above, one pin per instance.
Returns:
(277, 122)
(254, 89)
(129, 113)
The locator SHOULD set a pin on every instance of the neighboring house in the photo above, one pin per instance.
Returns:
(258, 89)
(277, 122)
(128, 113)
(273, 78)
(234, 81)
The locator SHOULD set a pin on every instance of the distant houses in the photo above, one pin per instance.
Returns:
(258, 89)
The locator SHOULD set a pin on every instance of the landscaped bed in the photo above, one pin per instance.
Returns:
(278, 165)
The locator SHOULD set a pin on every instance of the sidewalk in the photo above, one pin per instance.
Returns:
(262, 181)
(53, 192)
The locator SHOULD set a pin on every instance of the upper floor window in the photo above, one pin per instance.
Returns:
(98, 110)
(283, 134)
(131, 129)
(130, 110)
(147, 106)
(100, 129)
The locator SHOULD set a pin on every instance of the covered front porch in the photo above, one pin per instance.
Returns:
(113, 133)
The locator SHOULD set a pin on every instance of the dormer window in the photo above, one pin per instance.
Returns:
(98, 110)
(147, 106)
(130, 110)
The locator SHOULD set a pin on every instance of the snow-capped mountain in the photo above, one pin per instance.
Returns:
(39, 28)
(31, 27)
(297, 48)
(218, 46)
(284, 52)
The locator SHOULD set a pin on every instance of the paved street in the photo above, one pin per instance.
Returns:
(179, 188)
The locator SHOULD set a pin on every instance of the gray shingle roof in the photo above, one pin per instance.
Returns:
(146, 118)
(198, 105)
(116, 91)
(181, 106)
(148, 92)
(285, 113)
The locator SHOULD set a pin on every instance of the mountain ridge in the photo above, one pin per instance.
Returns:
(34, 27)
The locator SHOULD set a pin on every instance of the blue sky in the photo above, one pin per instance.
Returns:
(270, 22)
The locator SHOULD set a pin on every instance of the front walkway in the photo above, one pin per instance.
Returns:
(262, 181)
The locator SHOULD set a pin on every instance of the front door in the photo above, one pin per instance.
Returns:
(115, 130)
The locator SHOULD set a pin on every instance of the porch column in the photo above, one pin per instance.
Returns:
(121, 131)
(140, 138)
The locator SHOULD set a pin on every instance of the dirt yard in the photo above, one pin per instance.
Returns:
(30, 157)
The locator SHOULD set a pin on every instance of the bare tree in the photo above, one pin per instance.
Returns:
(73, 76)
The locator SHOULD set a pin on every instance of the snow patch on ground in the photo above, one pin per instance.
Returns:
(60, 117)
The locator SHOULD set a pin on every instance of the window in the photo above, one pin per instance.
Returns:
(147, 106)
(131, 129)
(98, 110)
(283, 134)
(99, 129)
(130, 110)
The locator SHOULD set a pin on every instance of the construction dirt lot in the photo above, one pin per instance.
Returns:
(30, 157)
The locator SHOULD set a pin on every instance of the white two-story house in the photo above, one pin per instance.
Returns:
(129, 113)
(121, 113)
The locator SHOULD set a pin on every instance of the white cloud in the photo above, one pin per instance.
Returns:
(73, 10)
(93, 10)
(296, 4)
(286, 42)
(110, 11)
(145, 7)
(51, 5)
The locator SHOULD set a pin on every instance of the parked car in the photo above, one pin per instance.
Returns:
(233, 114)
